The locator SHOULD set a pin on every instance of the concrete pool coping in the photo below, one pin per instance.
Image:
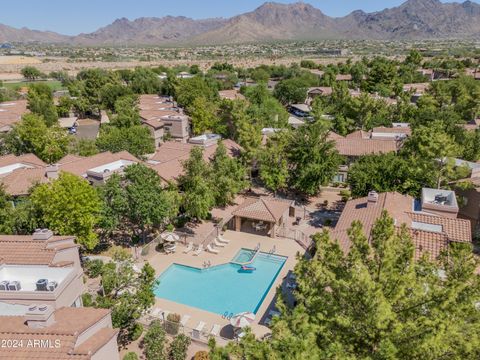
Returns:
(238, 240)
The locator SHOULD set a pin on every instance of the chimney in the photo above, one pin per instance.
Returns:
(39, 316)
(372, 198)
(42, 234)
(52, 171)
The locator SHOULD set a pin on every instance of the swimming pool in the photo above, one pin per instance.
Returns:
(224, 288)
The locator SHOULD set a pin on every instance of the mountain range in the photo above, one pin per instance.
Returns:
(414, 19)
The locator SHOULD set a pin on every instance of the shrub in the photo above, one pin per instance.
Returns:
(328, 222)
(170, 227)
(345, 194)
(130, 356)
(172, 324)
(154, 341)
(201, 355)
(87, 300)
(136, 331)
(94, 268)
(178, 347)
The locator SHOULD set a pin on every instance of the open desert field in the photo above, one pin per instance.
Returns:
(18, 60)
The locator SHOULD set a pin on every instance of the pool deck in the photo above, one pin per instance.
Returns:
(238, 240)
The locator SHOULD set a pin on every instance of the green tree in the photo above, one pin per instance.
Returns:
(414, 58)
(390, 172)
(260, 75)
(127, 112)
(228, 175)
(126, 292)
(31, 135)
(198, 192)
(69, 206)
(433, 143)
(145, 81)
(187, 90)
(31, 73)
(376, 302)
(203, 114)
(40, 102)
(312, 157)
(138, 199)
(291, 91)
(178, 348)
(154, 342)
(137, 140)
(273, 162)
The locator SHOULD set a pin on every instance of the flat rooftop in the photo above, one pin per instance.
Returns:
(439, 197)
(11, 168)
(29, 275)
(112, 166)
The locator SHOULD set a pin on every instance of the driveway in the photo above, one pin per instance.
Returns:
(88, 129)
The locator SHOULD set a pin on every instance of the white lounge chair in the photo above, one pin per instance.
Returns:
(212, 250)
(215, 330)
(198, 251)
(218, 243)
(223, 240)
(188, 248)
(198, 330)
(184, 320)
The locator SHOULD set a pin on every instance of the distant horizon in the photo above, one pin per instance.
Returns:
(88, 15)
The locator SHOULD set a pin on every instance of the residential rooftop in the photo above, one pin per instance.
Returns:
(69, 333)
(361, 143)
(10, 113)
(431, 229)
(169, 157)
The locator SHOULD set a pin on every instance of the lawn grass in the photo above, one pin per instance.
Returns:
(54, 84)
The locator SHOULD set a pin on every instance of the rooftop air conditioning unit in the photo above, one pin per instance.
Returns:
(4, 285)
(42, 285)
(52, 285)
(14, 286)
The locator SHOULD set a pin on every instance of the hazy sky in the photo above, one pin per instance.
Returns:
(72, 17)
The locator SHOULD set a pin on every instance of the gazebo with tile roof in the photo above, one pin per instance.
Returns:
(262, 215)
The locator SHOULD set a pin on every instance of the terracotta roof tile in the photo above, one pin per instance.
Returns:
(230, 94)
(264, 208)
(29, 159)
(359, 143)
(69, 324)
(11, 112)
(169, 157)
(19, 182)
(94, 343)
(456, 229)
(23, 250)
(400, 208)
(81, 165)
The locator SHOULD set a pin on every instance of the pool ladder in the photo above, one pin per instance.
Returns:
(207, 264)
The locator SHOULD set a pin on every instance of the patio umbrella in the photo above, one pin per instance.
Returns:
(170, 237)
(242, 319)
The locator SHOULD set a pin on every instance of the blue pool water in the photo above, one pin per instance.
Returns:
(223, 288)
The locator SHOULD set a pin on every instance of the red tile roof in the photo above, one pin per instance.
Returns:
(23, 250)
(359, 143)
(81, 165)
(11, 112)
(263, 208)
(169, 157)
(400, 208)
(69, 324)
